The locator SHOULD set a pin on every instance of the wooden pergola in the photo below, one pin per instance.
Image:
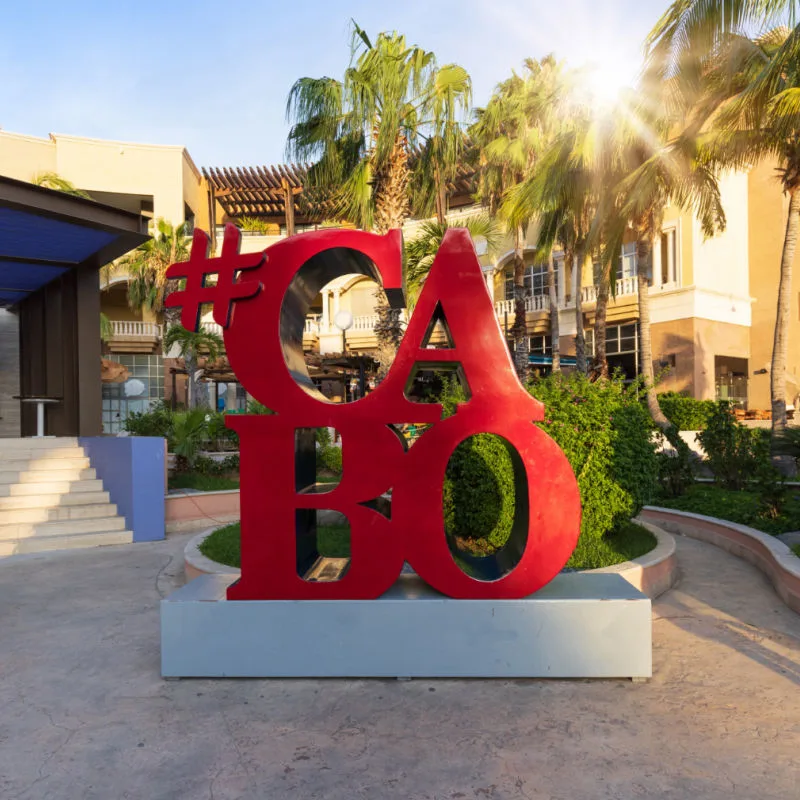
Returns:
(278, 193)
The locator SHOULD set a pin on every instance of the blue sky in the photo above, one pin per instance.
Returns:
(214, 76)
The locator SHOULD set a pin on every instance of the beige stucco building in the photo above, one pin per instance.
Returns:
(712, 301)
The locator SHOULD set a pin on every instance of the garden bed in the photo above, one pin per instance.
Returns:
(765, 552)
(202, 482)
(333, 541)
(218, 551)
(743, 507)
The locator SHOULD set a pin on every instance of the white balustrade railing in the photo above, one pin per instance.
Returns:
(365, 323)
(627, 286)
(212, 327)
(312, 324)
(624, 286)
(538, 302)
(135, 329)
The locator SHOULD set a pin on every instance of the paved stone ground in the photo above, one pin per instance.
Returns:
(84, 714)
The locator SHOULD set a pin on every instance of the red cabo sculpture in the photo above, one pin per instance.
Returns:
(261, 301)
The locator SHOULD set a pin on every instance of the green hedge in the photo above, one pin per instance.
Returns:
(604, 432)
(607, 436)
(686, 413)
(330, 458)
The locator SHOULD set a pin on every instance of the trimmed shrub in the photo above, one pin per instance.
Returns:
(604, 432)
(157, 421)
(735, 453)
(220, 436)
(607, 437)
(675, 465)
(211, 466)
(330, 458)
(479, 496)
(684, 412)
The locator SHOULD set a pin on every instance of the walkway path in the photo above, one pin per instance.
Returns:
(84, 714)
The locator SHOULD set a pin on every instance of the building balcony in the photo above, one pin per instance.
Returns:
(533, 304)
(133, 336)
(625, 287)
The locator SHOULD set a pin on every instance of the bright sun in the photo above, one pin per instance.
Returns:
(604, 80)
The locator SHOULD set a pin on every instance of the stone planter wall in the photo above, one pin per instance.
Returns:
(763, 551)
(186, 511)
(653, 573)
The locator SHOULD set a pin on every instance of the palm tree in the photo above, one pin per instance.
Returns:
(147, 266)
(421, 250)
(192, 347)
(361, 131)
(657, 164)
(106, 328)
(563, 189)
(757, 84)
(512, 132)
(52, 180)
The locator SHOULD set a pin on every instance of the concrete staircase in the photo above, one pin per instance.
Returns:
(51, 499)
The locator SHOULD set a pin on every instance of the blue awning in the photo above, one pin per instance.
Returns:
(45, 233)
(547, 361)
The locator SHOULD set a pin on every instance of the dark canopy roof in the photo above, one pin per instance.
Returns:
(45, 233)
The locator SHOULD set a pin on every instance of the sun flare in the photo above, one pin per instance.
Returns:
(604, 80)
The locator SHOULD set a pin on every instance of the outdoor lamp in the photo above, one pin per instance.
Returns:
(343, 320)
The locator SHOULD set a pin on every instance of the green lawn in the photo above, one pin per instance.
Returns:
(218, 483)
(224, 547)
(796, 550)
(742, 507)
(333, 541)
(628, 542)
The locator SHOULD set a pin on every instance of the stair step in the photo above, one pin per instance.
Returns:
(19, 454)
(54, 529)
(49, 500)
(35, 443)
(38, 464)
(47, 476)
(51, 487)
(56, 513)
(39, 544)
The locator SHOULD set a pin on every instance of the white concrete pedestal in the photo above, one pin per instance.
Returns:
(579, 626)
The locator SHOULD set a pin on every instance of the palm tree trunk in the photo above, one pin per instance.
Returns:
(519, 330)
(392, 205)
(441, 198)
(580, 336)
(781, 342)
(554, 331)
(190, 363)
(392, 208)
(644, 253)
(603, 290)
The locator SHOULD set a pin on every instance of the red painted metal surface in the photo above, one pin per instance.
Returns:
(262, 311)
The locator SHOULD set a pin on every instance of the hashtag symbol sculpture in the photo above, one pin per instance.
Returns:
(228, 286)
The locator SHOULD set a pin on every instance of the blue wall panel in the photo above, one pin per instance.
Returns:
(132, 471)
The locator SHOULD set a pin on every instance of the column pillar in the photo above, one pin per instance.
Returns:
(325, 325)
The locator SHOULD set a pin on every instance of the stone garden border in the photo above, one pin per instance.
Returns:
(195, 563)
(188, 510)
(653, 573)
(763, 551)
